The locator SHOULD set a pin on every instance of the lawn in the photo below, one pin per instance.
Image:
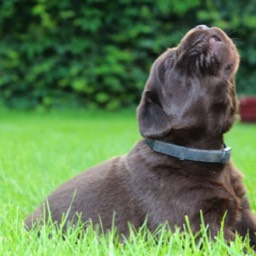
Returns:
(41, 150)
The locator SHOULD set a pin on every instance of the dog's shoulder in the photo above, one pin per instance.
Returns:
(235, 178)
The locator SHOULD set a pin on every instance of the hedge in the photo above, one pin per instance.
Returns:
(97, 53)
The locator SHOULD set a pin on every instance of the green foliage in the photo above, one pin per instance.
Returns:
(97, 53)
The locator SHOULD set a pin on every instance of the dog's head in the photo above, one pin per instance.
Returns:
(191, 87)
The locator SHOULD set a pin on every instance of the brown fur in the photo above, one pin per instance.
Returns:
(190, 100)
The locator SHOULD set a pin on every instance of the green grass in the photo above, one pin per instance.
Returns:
(38, 151)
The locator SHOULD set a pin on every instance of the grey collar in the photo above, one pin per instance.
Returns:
(199, 155)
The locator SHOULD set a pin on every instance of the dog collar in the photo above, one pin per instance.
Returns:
(199, 155)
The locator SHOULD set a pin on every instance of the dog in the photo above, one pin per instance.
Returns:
(181, 167)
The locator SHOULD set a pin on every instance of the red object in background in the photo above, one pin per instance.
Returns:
(248, 109)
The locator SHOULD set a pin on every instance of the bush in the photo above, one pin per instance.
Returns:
(97, 53)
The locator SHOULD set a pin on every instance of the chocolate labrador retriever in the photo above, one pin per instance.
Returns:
(181, 167)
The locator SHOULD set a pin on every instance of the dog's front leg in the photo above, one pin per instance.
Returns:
(247, 224)
(213, 224)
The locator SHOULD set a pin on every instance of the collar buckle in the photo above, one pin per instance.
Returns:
(226, 154)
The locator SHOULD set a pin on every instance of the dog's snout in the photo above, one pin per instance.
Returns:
(201, 27)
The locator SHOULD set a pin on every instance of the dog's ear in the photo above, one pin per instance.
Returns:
(153, 121)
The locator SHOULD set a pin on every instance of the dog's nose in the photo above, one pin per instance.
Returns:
(201, 27)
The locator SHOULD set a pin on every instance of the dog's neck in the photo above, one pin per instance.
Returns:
(196, 140)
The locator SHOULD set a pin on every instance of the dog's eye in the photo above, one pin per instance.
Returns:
(229, 66)
(215, 38)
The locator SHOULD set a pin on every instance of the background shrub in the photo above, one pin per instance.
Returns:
(97, 53)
